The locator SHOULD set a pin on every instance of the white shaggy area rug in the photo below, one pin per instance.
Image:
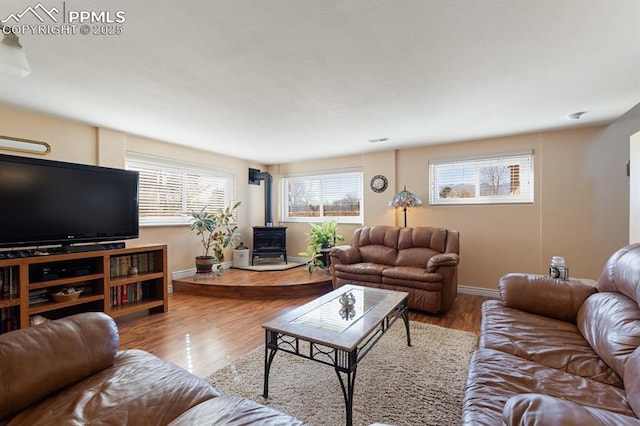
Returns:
(395, 384)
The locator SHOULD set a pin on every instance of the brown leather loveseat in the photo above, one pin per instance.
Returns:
(422, 261)
(560, 352)
(70, 372)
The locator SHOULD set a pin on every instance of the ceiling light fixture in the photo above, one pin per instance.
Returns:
(576, 115)
(12, 57)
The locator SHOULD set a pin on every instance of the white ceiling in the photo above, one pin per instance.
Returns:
(276, 81)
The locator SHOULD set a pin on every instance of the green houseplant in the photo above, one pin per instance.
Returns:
(216, 233)
(321, 238)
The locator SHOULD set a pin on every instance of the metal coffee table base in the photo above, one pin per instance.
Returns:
(344, 362)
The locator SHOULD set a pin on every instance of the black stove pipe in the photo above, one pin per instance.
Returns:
(255, 176)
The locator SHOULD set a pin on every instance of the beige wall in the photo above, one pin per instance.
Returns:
(183, 246)
(70, 141)
(581, 208)
(566, 219)
(80, 143)
(376, 205)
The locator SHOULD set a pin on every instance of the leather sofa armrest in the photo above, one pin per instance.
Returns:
(442, 259)
(538, 409)
(543, 295)
(344, 254)
(36, 362)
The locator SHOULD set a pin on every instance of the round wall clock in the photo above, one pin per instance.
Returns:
(378, 183)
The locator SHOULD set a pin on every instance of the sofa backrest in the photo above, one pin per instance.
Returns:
(610, 319)
(622, 272)
(390, 245)
(37, 361)
(417, 245)
(377, 244)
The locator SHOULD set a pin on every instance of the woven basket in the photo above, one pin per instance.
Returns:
(66, 297)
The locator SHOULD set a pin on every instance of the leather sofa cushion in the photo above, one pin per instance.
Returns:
(138, 389)
(409, 273)
(406, 284)
(554, 343)
(537, 409)
(233, 410)
(37, 361)
(415, 256)
(610, 322)
(423, 236)
(362, 279)
(494, 377)
(361, 268)
(378, 254)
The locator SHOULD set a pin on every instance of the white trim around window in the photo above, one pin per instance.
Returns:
(169, 189)
(497, 179)
(322, 196)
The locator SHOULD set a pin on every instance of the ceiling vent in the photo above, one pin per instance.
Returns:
(576, 115)
(377, 140)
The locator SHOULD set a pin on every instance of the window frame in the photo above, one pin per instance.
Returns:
(186, 169)
(525, 176)
(284, 198)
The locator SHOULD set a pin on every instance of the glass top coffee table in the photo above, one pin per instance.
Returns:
(339, 329)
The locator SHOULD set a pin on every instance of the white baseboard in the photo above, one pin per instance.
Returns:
(176, 275)
(479, 291)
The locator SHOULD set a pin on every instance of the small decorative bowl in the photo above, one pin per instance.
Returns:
(66, 297)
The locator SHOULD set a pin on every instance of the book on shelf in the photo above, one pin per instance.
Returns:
(38, 296)
(13, 278)
(9, 319)
(119, 265)
(9, 281)
(126, 294)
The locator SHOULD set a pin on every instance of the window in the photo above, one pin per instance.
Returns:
(169, 190)
(322, 197)
(500, 179)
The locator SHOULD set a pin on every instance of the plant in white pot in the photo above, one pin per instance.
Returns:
(216, 232)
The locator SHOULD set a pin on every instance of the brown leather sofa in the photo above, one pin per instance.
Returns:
(70, 372)
(557, 352)
(422, 261)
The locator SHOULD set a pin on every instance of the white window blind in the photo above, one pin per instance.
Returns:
(321, 197)
(506, 178)
(170, 190)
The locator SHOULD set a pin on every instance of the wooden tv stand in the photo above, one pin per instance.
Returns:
(103, 275)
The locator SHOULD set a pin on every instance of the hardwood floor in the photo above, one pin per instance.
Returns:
(203, 334)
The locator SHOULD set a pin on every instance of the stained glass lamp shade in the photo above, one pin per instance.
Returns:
(405, 199)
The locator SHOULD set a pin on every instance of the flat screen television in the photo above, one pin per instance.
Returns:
(47, 203)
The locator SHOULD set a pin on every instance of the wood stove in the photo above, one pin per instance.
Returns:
(269, 241)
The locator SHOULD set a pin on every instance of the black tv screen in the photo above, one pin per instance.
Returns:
(47, 202)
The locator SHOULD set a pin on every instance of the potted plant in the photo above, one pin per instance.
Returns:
(216, 233)
(321, 238)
